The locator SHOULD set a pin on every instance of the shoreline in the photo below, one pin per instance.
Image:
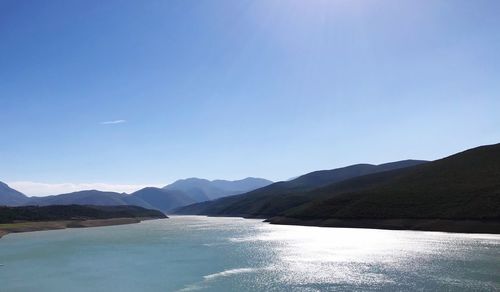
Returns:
(433, 225)
(30, 226)
(439, 225)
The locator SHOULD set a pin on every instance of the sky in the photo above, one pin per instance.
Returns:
(117, 95)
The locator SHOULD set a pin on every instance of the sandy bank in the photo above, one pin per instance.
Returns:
(53, 225)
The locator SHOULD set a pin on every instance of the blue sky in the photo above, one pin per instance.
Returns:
(147, 92)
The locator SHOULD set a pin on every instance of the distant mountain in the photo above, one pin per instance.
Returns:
(90, 197)
(203, 190)
(11, 197)
(242, 185)
(178, 194)
(280, 196)
(150, 198)
(163, 200)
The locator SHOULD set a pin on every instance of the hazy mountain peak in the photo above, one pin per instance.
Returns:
(202, 189)
(162, 199)
(11, 197)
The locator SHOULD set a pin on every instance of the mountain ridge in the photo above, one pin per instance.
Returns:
(10, 196)
(204, 190)
(466, 185)
(282, 195)
(458, 193)
(163, 199)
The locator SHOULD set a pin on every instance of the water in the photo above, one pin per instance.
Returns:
(189, 253)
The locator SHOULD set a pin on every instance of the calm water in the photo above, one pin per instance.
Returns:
(232, 254)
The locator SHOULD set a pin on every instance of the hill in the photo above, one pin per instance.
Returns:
(203, 190)
(35, 218)
(459, 193)
(464, 186)
(280, 196)
(150, 198)
(74, 212)
(89, 197)
(11, 197)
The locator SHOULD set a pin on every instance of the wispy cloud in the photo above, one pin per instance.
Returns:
(113, 122)
(45, 189)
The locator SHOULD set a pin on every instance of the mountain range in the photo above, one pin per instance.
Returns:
(457, 193)
(180, 193)
(203, 190)
(280, 196)
(464, 186)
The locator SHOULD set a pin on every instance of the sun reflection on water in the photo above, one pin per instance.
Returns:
(362, 257)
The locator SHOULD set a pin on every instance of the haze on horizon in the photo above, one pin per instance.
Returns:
(124, 94)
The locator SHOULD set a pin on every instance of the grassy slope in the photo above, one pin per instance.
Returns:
(462, 186)
(278, 197)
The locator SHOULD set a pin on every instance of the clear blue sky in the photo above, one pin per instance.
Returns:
(230, 89)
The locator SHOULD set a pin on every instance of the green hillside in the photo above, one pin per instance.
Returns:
(460, 193)
(278, 197)
(463, 186)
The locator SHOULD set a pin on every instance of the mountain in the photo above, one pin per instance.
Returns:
(178, 194)
(280, 196)
(11, 197)
(150, 198)
(163, 200)
(90, 197)
(464, 186)
(459, 193)
(242, 185)
(203, 190)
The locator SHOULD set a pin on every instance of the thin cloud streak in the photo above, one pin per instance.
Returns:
(46, 189)
(113, 122)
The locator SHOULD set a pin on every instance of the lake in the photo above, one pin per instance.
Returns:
(191, 253)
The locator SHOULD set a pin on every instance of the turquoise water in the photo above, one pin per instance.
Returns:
(189, 253)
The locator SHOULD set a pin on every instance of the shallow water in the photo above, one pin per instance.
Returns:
(188, 253)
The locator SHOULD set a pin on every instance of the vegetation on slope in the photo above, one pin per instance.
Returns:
(459, 193)
(463, 186)
(278, 197)
(74, 212)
